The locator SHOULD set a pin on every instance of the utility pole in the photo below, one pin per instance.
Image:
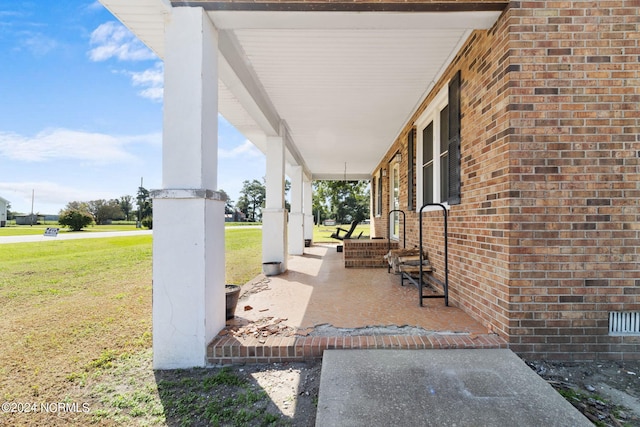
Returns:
(33, 194)
(139, 222)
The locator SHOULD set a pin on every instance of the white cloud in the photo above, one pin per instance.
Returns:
(96, 5)
(69, 144)
(247, 149)
(113, 40)
(151, 81)
(38, 44)
(49, 197)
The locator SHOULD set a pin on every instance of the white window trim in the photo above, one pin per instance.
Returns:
(432, 113)
(392, 167)
(377, 194)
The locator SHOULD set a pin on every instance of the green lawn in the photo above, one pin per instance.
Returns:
(24, 230)
(321, 234)
(75, 317)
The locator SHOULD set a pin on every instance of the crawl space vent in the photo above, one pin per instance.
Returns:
(625, 323)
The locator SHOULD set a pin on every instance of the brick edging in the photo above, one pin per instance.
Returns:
(228, 350)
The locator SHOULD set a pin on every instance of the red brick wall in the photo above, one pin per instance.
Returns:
(545, 241)
(574, 171)
(478, 244)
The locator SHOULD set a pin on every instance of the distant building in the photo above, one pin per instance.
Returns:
(29, 219)
(236, 216)
(3, 211)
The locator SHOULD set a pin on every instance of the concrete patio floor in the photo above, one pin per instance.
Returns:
(327, 306)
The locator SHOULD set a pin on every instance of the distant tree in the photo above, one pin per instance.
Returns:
(319, 200)
(147, 221)
(145, 206)
(345, 201)
(104, 210)
(9, 213)
(287, 187)
(126, 205)
(243, 206)
(228, 205)
(252, 196)
(78, 206)
(75, 219)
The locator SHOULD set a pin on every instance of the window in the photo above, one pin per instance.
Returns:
(394, 199)
(438, 146)
(410, 173)
(444, 154)
(377, 193)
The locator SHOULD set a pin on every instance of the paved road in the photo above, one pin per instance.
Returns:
(70, 236)
(90, 235)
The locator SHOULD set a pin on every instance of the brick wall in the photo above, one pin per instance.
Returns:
(574, 170)
(478, 244)
(366, 253)
(545, 241)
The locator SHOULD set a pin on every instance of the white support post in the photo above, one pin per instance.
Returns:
(274, 215)
(296, 219)
(307, 209)
(188, 234)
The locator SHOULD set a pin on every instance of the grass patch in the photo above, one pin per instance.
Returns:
(27, 230)
(61, 321)
(243, 254)
(213, 397)
(76, 322)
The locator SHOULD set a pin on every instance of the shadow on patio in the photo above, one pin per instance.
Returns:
(318, 304)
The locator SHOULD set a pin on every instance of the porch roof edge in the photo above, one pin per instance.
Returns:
(316, 6)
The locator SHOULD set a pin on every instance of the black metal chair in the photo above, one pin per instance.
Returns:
(348, 233)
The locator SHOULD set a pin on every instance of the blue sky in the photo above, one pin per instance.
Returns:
(81, 110)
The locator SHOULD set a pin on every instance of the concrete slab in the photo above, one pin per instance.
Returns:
(437, 388)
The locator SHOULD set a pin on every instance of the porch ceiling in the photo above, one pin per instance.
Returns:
(338, 85)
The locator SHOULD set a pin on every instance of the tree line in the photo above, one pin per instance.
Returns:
(343, 201)
(77, 215)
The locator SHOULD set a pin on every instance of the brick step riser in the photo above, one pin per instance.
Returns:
(228, 350)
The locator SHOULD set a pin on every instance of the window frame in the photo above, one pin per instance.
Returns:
(377, 194)
(394, 203)
(431, 114)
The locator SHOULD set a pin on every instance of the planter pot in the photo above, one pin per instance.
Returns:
(232, 293)
(271, 268)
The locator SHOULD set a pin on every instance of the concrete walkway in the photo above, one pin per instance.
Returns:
(437, 388)
(71, 236)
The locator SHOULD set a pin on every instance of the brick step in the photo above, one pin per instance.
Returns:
(365, 253)
(228, 350)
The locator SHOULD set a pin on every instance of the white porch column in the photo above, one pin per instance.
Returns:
(296, 219)
(188, 235)
(307, 208)
(274, 215)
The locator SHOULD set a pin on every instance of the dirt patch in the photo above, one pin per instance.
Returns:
(292, 389)
(608, 393)
(282, 394)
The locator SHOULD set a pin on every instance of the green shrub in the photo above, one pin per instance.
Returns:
(75, 219)
(147, 221)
